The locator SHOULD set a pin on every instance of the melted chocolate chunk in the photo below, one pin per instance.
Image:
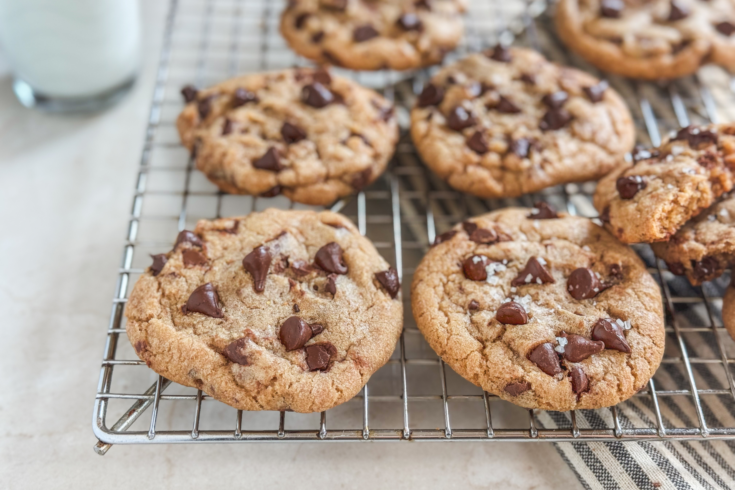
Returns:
(361, 179)
(512, 313)
(189, 237)
(515, 389)
(580, 382)
(317, 95)
(611, 334)
(533, 273)
(555, 100)
(257, 264)
(316, 329)
(579, 348)
(430, 95)
(542, 210)
(233, 352)
(477, 143)
(243, 96)
(296, 308)
(158, 262)
(389, 280)
(269, 161)
(469, 227)
(678, 11)
(294, 333)
(422, 4)
(322, 76)
(528, 79)
(331, 286)
(272, 192)
(605, 215)
(596, 92)
(546, 359)
(484, 236)
(190, 93)
(501, 53)
(410, 22)
(330, 258)
(629, 186)
(204, 107)
(227, 127)
(319, 355)
(583, 283)
(696, 136)
(555, 119)
(301, 20)
(506, 106)
(473, 305)
(317, 37)
(447, 235)
(611, 8)
(339, 5)
(459, 118)
(193, 258)
(292, 133)
(204, 300)
(726, 28)
(475, 267)
(520, 147)
(364, 33)
(705, 269)
(301, 268)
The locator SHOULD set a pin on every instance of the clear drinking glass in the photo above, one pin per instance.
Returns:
(71, 55)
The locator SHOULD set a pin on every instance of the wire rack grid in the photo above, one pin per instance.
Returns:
(415, 396)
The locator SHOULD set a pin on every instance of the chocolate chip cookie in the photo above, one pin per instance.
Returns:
(508, 122)
(303, 133)
(278, 310)
(373, 34)
(704, 247)
(649, 39)
(544, 310)
(650, 198)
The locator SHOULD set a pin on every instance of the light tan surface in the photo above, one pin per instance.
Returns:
(65, 187)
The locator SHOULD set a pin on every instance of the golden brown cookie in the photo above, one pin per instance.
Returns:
(546, 311)
(278, 310)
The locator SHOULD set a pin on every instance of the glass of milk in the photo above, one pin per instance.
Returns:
(71, 55)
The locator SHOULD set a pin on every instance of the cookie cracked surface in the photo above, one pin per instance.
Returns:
(278, 310)
(304, 133)
(508, 122)
(649, 39)
(504, 314)
(652, 197)
(374, 34)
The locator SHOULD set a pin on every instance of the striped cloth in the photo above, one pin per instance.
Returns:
(660, 465)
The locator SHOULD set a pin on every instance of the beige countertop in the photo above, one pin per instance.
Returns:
(65, 191)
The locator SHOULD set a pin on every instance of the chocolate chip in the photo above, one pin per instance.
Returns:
(707, 160)
(319, 355)
(301, 268)
(204, 300)
(227, 127)
(696, 136)
(322, 76)
(317, 95)
(642, 153)
(515, 389)
(611, 8)
(542, 210)
(294, 333)
(331, 58)
(579, 348)
(546, 359)
(475, 267)
(422, 4)
(204, 107)
(528, 79)
(505, 106)
(389, 280)
(583, 283)
(242, 97)
(233, 352)
(629, 186)
(580, 383)
(512, 313)
(190, 93)
(726, 28)
(189, 237)
(611, 334)
(410, 22)
(501, 53)
(477, 143)
(193, 258)
(158, 262)
(339, 5)
(616, 271)
(361, 179)
(296, 308)
(555, 119)
(292, 133)
(555, 100)
(596, 92)
(520, 147)
(469, 227)
(301, 20)
(329, 258)
(459, 118)
(257, 264)
(364, 33)
(605, 215)
(331, 286)
(705, 269)
(447, 235)
(269, 161)
(678, 11)
(316, 329)
(430, 95)
(473, 305)
(484, 236)
(272, 192)
(533, 273)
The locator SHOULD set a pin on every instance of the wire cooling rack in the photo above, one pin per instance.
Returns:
(415, 396)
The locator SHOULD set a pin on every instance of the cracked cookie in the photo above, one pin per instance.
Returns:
(303, 133)
(649, 39)
(374, 34)
(704, 247)
(277, 310)
(555, 313)
(650, 198)
(508, 122)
